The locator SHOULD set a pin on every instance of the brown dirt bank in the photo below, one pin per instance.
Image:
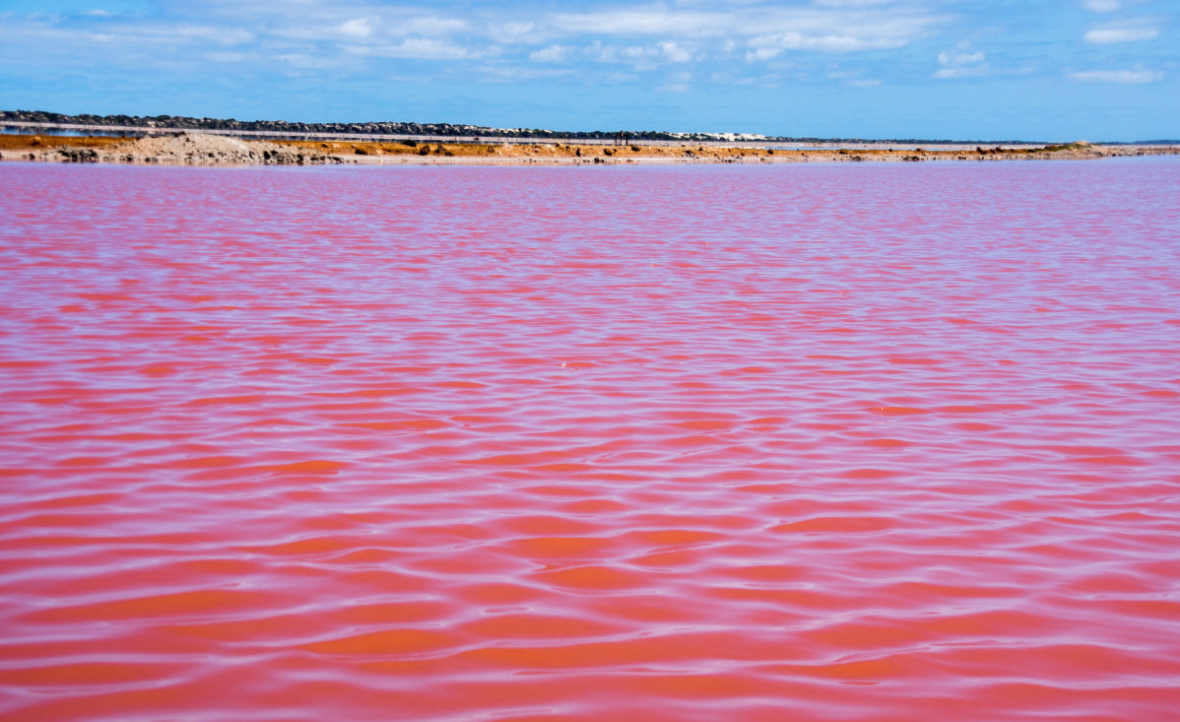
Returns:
(573, 153)
(211, 149)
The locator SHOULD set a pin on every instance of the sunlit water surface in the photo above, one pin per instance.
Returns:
(712, 443)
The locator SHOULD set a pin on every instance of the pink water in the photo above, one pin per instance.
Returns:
(810, 443)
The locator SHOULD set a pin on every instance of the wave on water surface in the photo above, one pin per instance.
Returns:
(816, 443)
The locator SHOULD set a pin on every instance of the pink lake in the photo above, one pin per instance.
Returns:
(837, 443)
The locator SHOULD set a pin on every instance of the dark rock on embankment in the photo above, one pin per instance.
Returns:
(78, 155)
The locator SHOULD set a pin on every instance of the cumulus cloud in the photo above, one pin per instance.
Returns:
(551, 54)
(1124, 32)
(313, 34)
(642, 57)
(674, 52)
(1118, 76)
(835, 30)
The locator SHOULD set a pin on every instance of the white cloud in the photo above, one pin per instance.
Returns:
(643, 57)
(1118, 76)
(649, 21)
(638, 52)
(358, 28)
(674, 52)
(762, 54)
(513, 32)
(831, 30)
(833, 43)
(815, 28)
(176, 34)
(967, 72)
(1101, 6)
(1124, 32)
(551, 54)
(417, 49)
(956, 58)
(515, 74)
(645, 35)
(432, 26)
(962, 62)
(329, 28)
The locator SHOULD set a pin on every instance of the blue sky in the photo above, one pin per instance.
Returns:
(966, 69)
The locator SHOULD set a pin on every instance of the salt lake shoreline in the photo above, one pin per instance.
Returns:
(208, 149)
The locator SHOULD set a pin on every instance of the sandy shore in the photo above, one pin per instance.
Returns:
(215, 150)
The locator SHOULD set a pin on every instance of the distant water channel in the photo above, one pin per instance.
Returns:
(21, 130)
(806, 442)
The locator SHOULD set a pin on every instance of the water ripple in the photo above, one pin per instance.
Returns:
(458, 444)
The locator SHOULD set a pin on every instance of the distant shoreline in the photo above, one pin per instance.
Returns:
(214, 149)
(53, 123)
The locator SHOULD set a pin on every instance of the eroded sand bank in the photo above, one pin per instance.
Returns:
(207, 149)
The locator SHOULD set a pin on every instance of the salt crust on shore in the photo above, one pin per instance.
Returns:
(204, 149)
(208, 149)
